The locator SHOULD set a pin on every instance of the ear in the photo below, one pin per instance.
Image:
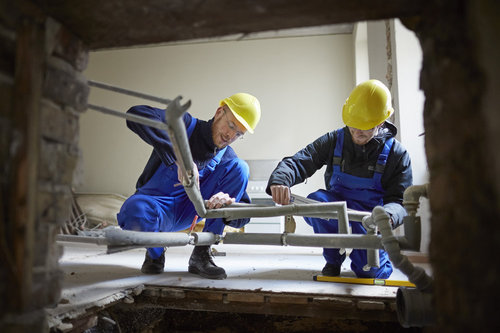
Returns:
(219, 112)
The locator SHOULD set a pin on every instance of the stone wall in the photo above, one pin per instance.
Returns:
(42, 94)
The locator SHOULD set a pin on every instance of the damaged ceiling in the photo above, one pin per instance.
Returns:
(124, 23)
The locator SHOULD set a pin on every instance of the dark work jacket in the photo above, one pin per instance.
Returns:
(357, 160)
(201, 143)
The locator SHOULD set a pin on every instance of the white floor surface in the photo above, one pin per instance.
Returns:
(92, 277)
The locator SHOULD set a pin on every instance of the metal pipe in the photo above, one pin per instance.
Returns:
(252, 238)
(415, 274)
(82, 239)
(372, 255)
(118, 237)
(414, 308)
(335, 241)
(411, 197)
(177, 132)
(413, 231)
(129, 116)
(414, 315)
(205, 238)
(316, 240)
(128, 92)
(297, 210)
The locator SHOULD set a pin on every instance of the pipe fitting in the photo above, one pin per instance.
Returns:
(414, 308)
(411, 197)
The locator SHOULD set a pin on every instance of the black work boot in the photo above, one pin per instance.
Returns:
(153, 266)
(331, 270)
(201, 263)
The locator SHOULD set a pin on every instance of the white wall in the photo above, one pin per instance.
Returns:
(361, 58)
(301, 82)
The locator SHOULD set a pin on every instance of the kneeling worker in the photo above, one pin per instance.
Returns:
(160, 204)
(365, 166)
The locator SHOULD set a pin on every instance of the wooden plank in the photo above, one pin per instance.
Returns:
(269, 303)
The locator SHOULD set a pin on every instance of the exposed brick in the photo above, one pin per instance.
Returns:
(245, 297)
(56, 163)
(46, 252)
(57, 124)
(371, 305)
(64, 44)
(288, 299)
(54, 208)
(64, 85)
(46, 289)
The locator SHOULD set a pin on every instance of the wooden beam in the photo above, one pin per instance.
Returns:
(125, 23)
(271, 303)
(25, 143)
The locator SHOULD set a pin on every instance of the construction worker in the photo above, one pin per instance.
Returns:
(365, 166)
(161, 204)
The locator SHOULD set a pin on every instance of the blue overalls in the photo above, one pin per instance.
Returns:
(162, 205)
(360, 194)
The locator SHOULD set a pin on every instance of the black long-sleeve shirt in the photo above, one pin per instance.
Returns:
(357, 160)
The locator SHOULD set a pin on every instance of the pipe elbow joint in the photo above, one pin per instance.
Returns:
(411, 197)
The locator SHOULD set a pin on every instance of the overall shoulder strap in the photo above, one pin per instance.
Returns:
(382, 161)
(337, 154)
(191, 126)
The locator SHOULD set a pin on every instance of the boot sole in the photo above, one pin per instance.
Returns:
(194, 270)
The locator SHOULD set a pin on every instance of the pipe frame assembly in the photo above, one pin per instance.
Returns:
(304, 207)
(409, 314)
(177, 133)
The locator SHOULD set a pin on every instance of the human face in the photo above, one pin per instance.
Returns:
(226, 128)
(362, 137)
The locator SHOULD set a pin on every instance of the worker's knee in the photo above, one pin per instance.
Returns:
(237, 224)
(321, 196)
(138, 213)
(237, 168)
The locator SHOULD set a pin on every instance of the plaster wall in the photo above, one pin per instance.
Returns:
(301, 83)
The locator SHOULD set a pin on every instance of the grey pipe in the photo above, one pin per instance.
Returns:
(316, 240)
(414, 308)
(129, 116)
(127, 92)
(120, 237)
(415, 274)
(205, 238)
(372, 255)
(229, 213)
(177, 132)
(411, 197)
(82, 239)
(413, 231)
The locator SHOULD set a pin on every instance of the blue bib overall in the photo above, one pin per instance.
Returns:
(360, 194)
(162, 204)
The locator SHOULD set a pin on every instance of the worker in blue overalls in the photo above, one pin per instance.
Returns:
(161, 204)
(365, 166)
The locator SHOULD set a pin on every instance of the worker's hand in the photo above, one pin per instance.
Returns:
(281, 194)
(196, 174)
(219, 200)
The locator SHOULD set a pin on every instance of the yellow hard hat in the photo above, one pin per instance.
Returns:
(245, 108)
(368, 105)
